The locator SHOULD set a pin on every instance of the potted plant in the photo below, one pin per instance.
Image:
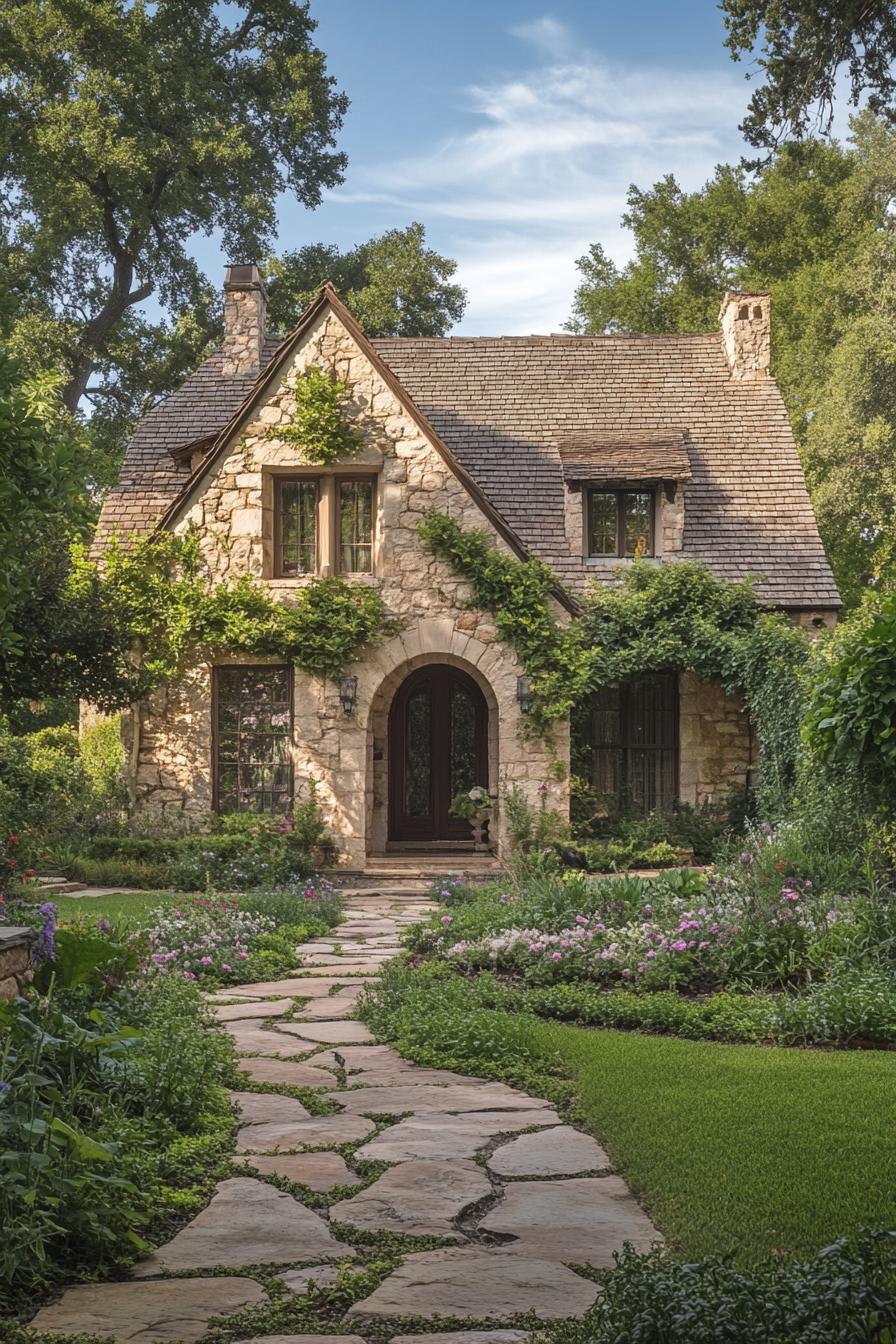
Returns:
(476, 807)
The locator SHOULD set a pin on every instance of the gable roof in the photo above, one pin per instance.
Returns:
(505, 405)
(506, 413)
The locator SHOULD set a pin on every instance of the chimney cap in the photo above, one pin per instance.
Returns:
(243, 276)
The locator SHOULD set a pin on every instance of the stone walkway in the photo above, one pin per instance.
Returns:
(517, 1197)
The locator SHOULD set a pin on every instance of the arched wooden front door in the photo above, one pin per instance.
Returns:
(438, 748)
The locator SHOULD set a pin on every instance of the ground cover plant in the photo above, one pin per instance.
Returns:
(113, 1120)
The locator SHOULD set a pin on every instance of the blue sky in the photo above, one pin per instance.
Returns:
(512, 131)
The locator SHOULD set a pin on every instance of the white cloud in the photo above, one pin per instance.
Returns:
(546, 170)
(546, 34)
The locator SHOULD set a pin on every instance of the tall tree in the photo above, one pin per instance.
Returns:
(394, 284)
(816, 227)
(801, 49)
(127, 128)
(43, 505)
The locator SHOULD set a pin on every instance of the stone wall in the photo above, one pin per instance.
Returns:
(716, 748)
(16, 971)
(232, 511)
(747, 334)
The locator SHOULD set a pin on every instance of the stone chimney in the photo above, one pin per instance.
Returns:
(747, 333)
(245, 299)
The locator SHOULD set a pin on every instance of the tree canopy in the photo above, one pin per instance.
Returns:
(127, 128)
(814, 226)
(394, 284)
(801, 50)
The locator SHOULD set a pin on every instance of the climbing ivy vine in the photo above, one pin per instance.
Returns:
(673, 618)
(319, 427)
(154, 608)
(517, 593)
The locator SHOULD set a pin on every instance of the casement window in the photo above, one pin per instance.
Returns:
(634, 736)
(354, 504)
(297, 509)
(620, 523)
(252, 735)
(323, 525)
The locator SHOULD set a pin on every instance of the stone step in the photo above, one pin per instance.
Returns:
(58, 886)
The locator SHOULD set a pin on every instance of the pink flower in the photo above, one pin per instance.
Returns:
(581, 919)
(446, 920)
(225, 967)
(679, 945)
(188, 975)
(206, 961)
(556, 956)
(243, 956)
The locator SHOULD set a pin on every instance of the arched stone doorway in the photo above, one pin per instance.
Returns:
(438, 748)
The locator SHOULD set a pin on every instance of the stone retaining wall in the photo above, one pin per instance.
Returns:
(16, 971)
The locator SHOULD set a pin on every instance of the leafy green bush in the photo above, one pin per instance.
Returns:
(845, 1293)
(610, 856)
(55, 789)
(238, 859)
(705, 830)
(96, 1104)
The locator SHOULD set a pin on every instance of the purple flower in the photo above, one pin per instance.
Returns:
(45, 949)
(746, 858)
(679, 945)
(446, 920)
(104, 926)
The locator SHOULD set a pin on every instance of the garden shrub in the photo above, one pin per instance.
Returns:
(235, 860)
(845, 1293)
(54, 789)
(97, 1104)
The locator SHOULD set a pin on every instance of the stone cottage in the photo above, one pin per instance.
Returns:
(582, 450)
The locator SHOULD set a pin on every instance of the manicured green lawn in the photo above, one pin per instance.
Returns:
(740, 1149)
(125, 907)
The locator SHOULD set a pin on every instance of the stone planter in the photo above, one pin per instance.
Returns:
(16, 971)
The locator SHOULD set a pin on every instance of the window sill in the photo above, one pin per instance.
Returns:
(302, 580)
(615, 561)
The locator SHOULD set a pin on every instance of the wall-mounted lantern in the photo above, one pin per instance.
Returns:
(348, 694)
(525, 695)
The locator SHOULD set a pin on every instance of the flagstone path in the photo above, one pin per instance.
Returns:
(517, 1197)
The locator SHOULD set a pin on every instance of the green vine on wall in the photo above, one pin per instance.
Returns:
(671, 618)
(154, 607)
(318, 426)
(517, 593)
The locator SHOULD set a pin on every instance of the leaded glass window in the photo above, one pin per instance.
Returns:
(297, 527)
(620, 523)
(355, 508)
(253, 732)
(635, 743)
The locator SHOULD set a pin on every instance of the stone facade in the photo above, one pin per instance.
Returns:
(232, 509)
(16, 971)
(716, 747)
(233, 513)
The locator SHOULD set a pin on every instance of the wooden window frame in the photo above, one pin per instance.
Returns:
(279, 483)
(251, 669)
(620, 494)
(344, 478)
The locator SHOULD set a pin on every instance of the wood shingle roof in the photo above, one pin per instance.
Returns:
(512, 409)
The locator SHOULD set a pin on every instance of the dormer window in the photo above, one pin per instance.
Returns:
(620, 523)
(323, 525)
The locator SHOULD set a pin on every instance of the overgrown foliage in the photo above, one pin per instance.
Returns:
(851, 717)
(518, 594)
(319, 428)
(676, 618)
(113, 634)
(113, 1118)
